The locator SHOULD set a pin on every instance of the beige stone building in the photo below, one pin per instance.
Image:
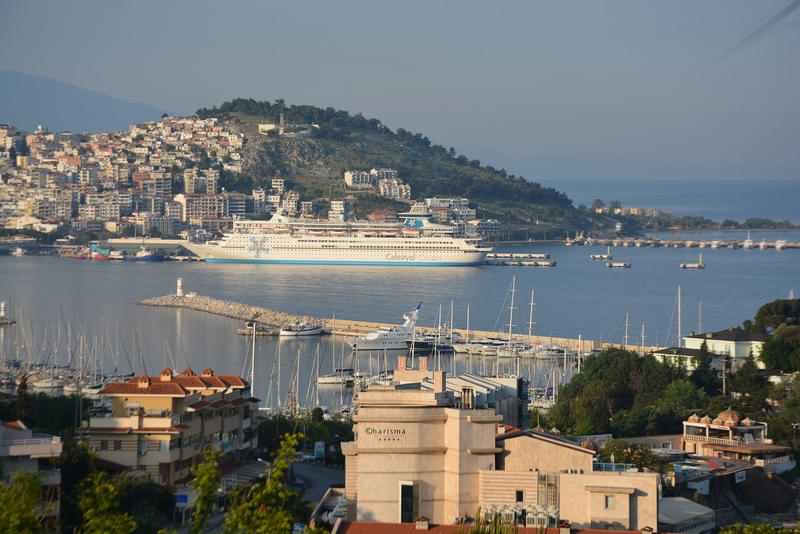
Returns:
(422, 453)
(161, 425)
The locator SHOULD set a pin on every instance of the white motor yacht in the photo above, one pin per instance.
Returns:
(388, 337)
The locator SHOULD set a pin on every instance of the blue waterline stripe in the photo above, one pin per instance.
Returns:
(349, 262)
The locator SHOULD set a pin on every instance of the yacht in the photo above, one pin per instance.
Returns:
(388, 337)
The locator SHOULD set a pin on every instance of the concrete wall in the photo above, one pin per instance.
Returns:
(582, 500)
(500, 488)
(526, 453)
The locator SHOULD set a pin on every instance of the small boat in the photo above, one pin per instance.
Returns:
(301, 329)
(693, 266)
(338, 377)
(780, 244)
(116, 255)
(99, 253)
(47, 383)
(618, 265)
(428, 344)
(18, 252)
(606, 256)
(145, 254)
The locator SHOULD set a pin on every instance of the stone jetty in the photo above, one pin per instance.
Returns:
(232, 310)
(274, 319)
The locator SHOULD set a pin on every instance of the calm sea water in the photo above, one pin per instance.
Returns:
(578, 297)
(715, 200)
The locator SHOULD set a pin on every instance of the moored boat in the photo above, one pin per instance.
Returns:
(300, 329)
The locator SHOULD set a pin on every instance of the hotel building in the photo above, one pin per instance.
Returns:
(161, 425)
(421, 453)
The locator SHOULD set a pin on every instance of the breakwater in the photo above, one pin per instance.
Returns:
(348, 327)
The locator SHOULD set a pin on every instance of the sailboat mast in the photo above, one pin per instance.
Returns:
(680, 331)
(511, 310)
(626, 331)
(700, 316)
(530, 320)
(253, 364)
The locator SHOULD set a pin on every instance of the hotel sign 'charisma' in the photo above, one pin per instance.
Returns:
(385, 433)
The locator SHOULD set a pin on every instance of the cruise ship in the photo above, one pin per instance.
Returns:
(416, 241)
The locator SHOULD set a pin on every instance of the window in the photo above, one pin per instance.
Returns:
(103, 445)
(609, 502)
(117, 445)
(520, 496)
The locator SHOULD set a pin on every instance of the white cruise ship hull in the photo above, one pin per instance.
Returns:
(338, 256)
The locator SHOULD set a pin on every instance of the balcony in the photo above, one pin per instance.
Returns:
(38, 446)
(724, 441)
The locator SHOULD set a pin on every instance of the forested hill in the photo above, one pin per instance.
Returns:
(345, 141)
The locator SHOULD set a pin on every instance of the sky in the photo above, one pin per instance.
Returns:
(514, 81)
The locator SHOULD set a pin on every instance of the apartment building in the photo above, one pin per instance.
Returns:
(22, 451)
(161, 425)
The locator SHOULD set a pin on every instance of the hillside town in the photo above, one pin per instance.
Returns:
(167, 178)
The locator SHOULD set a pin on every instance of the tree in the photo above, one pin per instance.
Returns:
(150, 503)
(264, 508)
(704, 376)
(206, 482)
(23, 398)
(99, 503)
(20, 505)
(623, 452)
(76, 464)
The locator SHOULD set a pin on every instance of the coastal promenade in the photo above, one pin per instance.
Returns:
(348, 327)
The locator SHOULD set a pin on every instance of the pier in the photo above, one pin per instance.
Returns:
(270, 320)
(686, 243)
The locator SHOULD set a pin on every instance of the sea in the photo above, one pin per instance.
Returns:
(95, 305)
(713, 199)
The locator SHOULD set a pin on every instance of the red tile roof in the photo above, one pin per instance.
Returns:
(170, 384)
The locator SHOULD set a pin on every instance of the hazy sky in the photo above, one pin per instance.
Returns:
(593, 79)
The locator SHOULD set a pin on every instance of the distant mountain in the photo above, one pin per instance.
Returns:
(28, 101)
